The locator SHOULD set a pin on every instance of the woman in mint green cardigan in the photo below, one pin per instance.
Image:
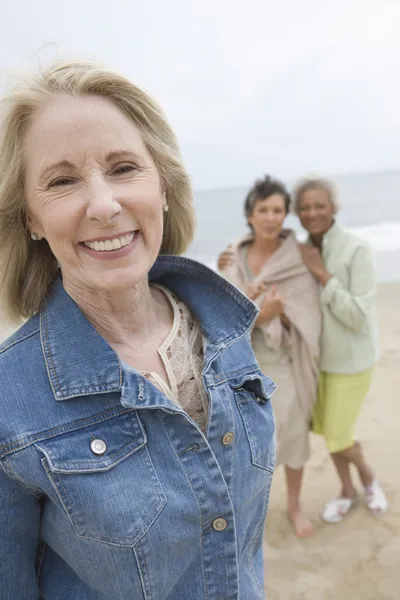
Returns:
(344, 267)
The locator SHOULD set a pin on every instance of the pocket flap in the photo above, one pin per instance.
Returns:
(72, 452)
(261, 386)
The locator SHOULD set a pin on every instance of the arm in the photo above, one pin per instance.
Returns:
(19, 538)
(263, 316)
(225, 260)
(351, 306)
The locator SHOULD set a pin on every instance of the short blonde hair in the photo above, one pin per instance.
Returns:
(28, 268)
(314, 183)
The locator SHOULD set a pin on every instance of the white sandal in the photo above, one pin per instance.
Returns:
(375, 499)
(337, 509)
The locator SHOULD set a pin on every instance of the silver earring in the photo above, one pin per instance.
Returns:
(34, 236)
(165, 208)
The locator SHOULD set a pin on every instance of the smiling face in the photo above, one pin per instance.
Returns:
(93, 192)
(316, 211)
(268, 216)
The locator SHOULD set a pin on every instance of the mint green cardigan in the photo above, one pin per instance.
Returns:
(349, 342)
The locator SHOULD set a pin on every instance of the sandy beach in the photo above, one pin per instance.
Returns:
(358, 559)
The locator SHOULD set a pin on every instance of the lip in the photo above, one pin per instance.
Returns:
(110, 237)
(314, 224)
(111, 254)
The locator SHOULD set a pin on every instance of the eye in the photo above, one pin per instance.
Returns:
(61, 181)
(122, 169)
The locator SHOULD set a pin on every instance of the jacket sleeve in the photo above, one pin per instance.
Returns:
(353, 305)
(19, 537)
(232, 275)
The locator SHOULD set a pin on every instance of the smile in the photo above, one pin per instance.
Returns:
(111, 244)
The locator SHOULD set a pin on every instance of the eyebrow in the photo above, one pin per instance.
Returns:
(120, 154)
(66, 164)
(60, 164)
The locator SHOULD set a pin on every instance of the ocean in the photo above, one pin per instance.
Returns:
(370, 206)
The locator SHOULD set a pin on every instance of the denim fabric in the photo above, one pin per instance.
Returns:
(138, 521)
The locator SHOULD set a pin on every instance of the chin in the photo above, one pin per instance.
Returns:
(270, 236)
(314, 230)
(120, 279)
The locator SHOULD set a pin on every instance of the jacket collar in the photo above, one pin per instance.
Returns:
(330, 237)
(80, 362)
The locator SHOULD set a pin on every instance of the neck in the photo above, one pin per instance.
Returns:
(317, 240)
(119, 315)
(266, 246)
(318, 237)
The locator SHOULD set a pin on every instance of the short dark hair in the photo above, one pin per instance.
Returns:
(263, 189)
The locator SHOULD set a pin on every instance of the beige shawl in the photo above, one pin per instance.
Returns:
(299, 292)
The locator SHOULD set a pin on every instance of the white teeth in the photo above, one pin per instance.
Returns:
(107, 245)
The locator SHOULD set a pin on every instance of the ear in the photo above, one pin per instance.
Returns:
(163, 197)
(35, 226)
(163, 187)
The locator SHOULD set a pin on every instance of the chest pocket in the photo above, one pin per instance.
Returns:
(252, 395)
(105, 479)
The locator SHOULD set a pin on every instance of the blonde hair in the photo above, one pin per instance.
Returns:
(27, 268)
(314, 183)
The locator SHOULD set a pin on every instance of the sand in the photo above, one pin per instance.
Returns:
(358, 559)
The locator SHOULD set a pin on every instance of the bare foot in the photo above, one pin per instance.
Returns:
(301, 525)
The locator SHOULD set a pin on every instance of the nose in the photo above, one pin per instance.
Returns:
(312, 213)
(102, 205)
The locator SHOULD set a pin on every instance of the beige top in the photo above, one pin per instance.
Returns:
(182, 357)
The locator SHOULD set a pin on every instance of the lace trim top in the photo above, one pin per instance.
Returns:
(182, 357)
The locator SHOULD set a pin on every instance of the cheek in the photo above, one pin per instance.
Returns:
(63, 247)
(148, 214)
(61, 224)
(281, 218)
(302, 219)
(328, 216)
(143, 197)
(256, 220)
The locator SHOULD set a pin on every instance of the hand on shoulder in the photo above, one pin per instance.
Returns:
(225, 259)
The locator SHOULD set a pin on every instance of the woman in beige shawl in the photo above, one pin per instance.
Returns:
(268, 267)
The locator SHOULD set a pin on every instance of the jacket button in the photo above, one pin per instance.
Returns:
(228, 438)
(98, 447)
(219, 524)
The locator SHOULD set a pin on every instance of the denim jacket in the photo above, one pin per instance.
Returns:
(108, 490)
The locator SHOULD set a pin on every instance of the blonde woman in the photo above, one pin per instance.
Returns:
(267, 265)
(343, 266)
(136, 433)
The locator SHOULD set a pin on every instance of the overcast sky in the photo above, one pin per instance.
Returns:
(285, 86)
